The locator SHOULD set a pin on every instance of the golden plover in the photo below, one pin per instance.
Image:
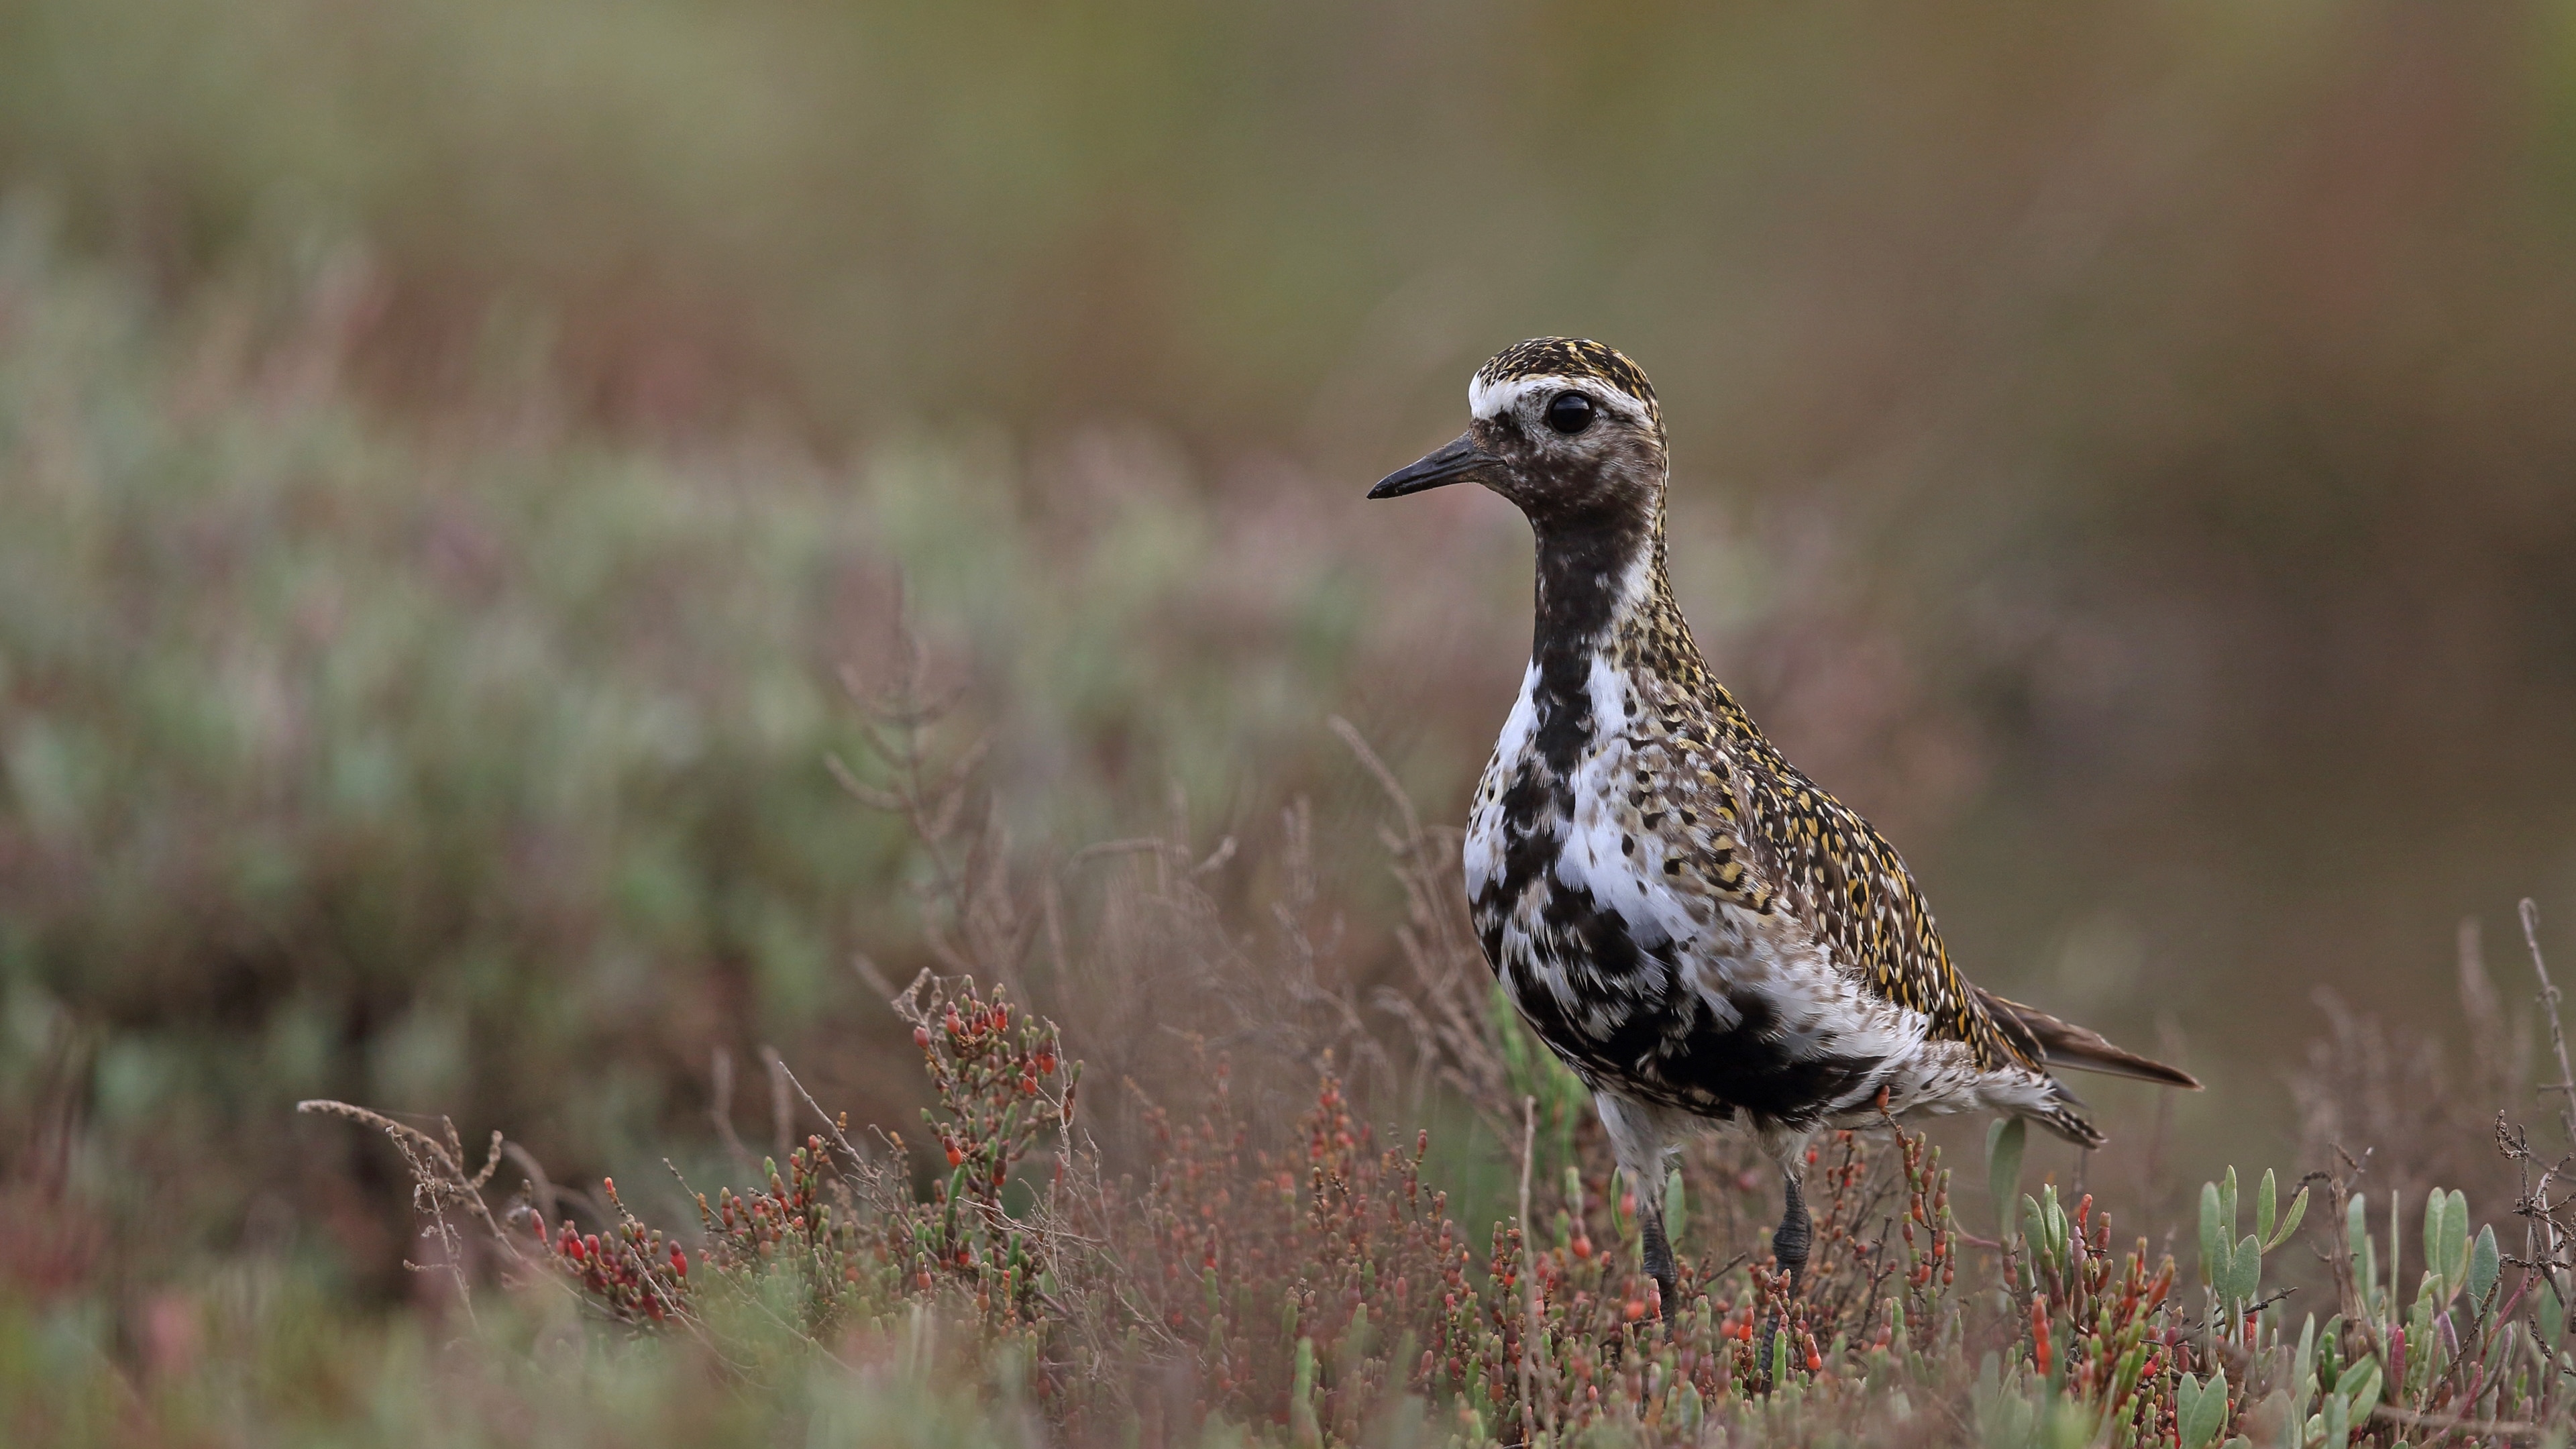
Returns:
(1689, 922)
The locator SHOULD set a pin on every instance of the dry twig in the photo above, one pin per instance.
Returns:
(439, 1180)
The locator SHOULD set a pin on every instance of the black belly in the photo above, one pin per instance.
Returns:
(1664, 1044)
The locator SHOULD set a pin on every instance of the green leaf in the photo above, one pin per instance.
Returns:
(2213, 1238)
(2304, 1364)
(2455, 1245)
(2266, 1201)
(2290, 1224)
(1676, 1207)
(1304, 1430)
(2356, 1229)
(2360, 1391)
(2552, 1315)
(2437, 1235)
(2045, 1226)
(2205, 1413)
(2485, 1266)
(2004, 1143)
(2245, 1270)
(2227, 1199)
(2434, 1203)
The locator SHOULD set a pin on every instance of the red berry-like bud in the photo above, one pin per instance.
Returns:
(679, 1262)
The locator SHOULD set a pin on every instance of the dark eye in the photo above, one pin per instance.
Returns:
(1569, 412)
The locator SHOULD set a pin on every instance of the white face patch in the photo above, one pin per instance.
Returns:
(1490, 400)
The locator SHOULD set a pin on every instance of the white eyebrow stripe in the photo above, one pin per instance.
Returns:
(1489, 400)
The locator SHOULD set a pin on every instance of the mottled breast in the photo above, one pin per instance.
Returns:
(1610, 891)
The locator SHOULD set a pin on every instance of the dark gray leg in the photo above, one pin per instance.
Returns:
(1659, 1258)
(1641, 1135)
(1797, 1231)
(1789, 1244)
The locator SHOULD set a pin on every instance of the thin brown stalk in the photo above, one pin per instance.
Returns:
(1535, 1327)
(2565, 1086)
(439, 1179)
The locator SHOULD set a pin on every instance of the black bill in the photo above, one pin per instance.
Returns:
(1450, 464)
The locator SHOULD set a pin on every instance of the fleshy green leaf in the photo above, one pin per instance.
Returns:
(2213, 1238)
(2245, 1270)
(2034, 1224)
(2446, 1241)
(2486, 1264)
(2004, 1143)
(2436, 1207)
(2304, 1363)
(2266, 1203)
(2360, 1391)
(2455, 1244)
(2289, 1224)
(2205, 1413)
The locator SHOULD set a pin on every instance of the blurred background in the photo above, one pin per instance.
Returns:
(450, 452)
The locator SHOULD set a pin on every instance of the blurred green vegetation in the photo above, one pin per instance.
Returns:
(260, 1355)
(480, 769)
(448, 450)
(338, 763)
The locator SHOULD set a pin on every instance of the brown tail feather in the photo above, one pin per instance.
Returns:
(2064, 1044)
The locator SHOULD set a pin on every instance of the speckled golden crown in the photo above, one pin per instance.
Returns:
(1573, 357)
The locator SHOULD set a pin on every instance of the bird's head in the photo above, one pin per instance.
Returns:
(1566, 428)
